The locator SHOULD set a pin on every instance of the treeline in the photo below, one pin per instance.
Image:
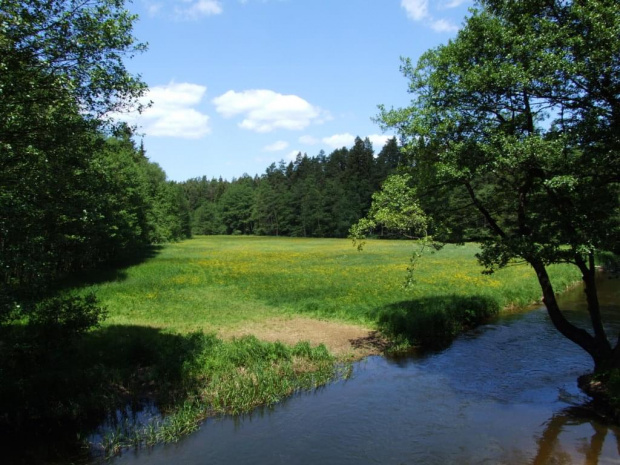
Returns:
(320, 196)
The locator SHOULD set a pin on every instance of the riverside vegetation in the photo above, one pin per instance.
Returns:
(78, 194)
(158, 344)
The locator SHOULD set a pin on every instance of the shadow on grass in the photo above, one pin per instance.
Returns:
(434, 322)
(114, 270)
(52, 395)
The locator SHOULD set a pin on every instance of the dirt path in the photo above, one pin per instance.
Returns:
(342, 340)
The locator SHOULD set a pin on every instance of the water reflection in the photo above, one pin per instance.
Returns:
(550, 442)
(505, 393)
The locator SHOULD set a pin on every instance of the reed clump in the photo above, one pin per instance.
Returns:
(212, 377)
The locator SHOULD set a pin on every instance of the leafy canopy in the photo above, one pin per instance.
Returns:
(520, 113)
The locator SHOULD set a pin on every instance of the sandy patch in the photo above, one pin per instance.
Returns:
(342, 340)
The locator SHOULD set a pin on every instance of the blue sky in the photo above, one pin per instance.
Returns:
(239, 84)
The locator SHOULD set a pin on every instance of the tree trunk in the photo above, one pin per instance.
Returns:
(600, 351)
(589, 282)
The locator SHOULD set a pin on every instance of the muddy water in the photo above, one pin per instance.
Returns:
(503, 394)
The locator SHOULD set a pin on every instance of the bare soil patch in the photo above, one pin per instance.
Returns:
(342, 340)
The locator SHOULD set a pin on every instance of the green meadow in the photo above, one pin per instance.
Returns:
(211, 283)
(160, 341)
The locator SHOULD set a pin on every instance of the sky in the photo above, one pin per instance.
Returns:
(236, 85)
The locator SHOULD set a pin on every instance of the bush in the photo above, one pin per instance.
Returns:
(61, 319)
(433, 322)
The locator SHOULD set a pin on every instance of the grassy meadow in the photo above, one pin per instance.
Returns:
(159, 343)
(211, 283)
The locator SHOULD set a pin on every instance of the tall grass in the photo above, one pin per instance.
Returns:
(200, 375)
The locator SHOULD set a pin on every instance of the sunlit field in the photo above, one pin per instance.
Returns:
(214, 282)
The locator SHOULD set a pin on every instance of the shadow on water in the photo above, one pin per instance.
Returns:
(52, 400)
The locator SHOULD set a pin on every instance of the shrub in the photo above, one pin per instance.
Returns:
(433, 322)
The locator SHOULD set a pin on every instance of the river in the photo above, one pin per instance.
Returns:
(504, 393)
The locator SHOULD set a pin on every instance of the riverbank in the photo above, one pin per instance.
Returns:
(159, 346)
(505, 392)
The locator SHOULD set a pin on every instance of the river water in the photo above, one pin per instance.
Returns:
(504, 393)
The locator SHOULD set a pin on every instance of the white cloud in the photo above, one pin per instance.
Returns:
(442, 25)
(416, 9)
(276, 146)
(266, 110)
(339, 140)
(195, 9)
(184, 123)
(176, 95)
(152, 7)
(455, 3)
(378, 141)
(308, 140)
(172, 113)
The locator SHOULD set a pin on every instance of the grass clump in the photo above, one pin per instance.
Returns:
(433, 322)
(110, 374)
(236, 376)
(212, 376)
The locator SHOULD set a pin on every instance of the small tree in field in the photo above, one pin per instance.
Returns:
(520, 113)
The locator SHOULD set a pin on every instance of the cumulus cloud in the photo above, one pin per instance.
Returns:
(379, 140)
(265, 110)
(339, 140)
(171, 113)
(418, 10)
(152, 7)
(442, 25)
(276, 146)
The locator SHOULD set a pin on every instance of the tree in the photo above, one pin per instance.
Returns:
(272, 208)
(521, 112)
(206, 220)
(61, 70)
(395, 209)
(236, 206)
(76, 44)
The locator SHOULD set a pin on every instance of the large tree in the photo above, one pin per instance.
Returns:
(61, 74)
(520, 113)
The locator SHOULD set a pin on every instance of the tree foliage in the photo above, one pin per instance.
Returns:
(520, 112)
(394, 208)
(75, 191)
(77, 45)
